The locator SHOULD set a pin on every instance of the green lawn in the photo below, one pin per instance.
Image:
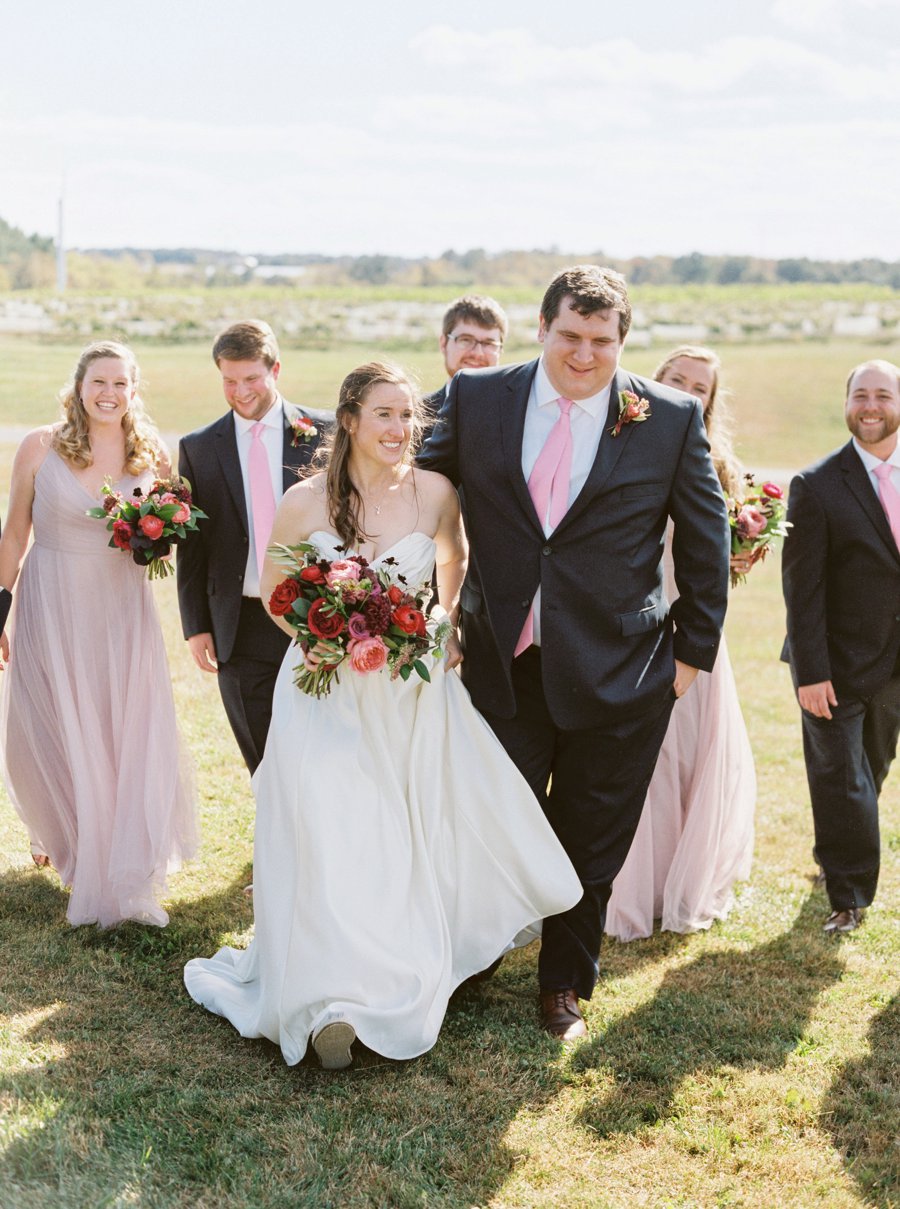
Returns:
(755, 1064)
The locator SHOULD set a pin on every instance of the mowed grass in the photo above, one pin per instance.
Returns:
(755, 1064)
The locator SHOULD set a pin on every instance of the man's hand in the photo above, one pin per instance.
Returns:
(816, 698)
(203, 650)
(684, 677)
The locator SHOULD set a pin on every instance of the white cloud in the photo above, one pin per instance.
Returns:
(628, 72)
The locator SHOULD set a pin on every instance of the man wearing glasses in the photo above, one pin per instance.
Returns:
(472, 337)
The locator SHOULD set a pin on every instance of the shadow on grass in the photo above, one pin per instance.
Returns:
(732, 1008)
(120, 1089)
(862, 1110)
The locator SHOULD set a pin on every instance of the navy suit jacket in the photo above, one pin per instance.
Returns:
(608, 636)
(211, 562)
(841, 577)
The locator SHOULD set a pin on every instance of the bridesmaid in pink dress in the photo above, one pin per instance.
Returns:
(695, 837)
(88, 736)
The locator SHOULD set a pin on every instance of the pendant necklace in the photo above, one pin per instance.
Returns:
(377, 507)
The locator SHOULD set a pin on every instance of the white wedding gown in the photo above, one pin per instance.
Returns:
(397, 852)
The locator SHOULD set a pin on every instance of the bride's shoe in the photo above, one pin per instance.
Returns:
(332, 1044)
(41, 859)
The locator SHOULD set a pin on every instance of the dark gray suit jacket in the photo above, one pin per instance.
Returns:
(841, 577)
(607, 635)
(211, 561)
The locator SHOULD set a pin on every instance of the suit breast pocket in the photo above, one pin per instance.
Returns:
(637, 491)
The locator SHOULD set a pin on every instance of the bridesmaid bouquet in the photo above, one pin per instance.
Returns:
(757, 523)
(148, 526)
(345, 611)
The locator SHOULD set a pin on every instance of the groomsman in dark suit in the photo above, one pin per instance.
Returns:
(239, 467)
(569, 468)
(472, 335)
(841, 575)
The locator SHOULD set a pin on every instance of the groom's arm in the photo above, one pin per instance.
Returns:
(440, 450)
(700, 550)
(803, 579)
(191, 564)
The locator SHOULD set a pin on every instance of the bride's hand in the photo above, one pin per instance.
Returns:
(453, 655)
(4, 650)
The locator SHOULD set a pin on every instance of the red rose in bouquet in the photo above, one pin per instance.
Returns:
(323, 620)
(122, 532)
(282, 599)
(409, 619)
(151, 526)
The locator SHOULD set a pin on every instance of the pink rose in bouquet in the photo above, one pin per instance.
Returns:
(750, 522)
(367, 654)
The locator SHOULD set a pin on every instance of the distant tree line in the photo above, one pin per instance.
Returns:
(27, 262)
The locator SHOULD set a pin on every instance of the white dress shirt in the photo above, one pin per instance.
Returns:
(273, 440)
(586, 419)
(872, 463)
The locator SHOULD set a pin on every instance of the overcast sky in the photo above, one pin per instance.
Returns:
(653, 126)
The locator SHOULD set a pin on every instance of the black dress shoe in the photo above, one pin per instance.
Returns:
(847, 919)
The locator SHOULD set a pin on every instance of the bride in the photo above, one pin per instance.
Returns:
(397, 851)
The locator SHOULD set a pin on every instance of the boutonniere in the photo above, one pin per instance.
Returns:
(632, 410)
(303, 429)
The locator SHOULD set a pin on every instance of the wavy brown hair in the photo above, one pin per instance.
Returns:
(344, 501)
(71, 438)
(716, 416)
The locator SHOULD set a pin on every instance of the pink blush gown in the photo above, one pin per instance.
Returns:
(695, 837)
(88, 736)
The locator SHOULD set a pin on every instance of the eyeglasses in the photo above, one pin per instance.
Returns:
(467, 343)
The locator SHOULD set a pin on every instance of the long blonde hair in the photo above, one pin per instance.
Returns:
(71, 438)
(716, 416)
(344, 501)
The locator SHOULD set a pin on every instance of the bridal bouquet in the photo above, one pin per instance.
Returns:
(757, 522)
(147, 526)
(345, 611)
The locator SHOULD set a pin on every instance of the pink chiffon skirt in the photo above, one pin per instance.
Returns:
(695, 837)
(88, 735)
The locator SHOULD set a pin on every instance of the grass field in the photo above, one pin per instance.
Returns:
(755, 1064)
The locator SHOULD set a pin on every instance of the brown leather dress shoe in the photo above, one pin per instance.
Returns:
(847, 920)
(561, 1015)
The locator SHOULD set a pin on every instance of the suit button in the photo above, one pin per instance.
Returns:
(525, 604)
(547, 550)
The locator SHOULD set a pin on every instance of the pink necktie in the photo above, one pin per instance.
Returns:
(262, 498)
(890, 498)
(549, 488)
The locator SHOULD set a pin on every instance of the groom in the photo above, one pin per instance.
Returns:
(239, 467)
(570, 469)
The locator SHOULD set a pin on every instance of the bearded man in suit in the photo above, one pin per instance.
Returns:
(569, 469)
(239, 467)
(841, 577)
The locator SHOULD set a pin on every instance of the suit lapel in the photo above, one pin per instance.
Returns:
(227, 453)
(512, 429)
(857, 479)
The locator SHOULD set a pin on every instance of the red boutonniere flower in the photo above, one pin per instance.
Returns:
(632, 410)
(304, 430)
